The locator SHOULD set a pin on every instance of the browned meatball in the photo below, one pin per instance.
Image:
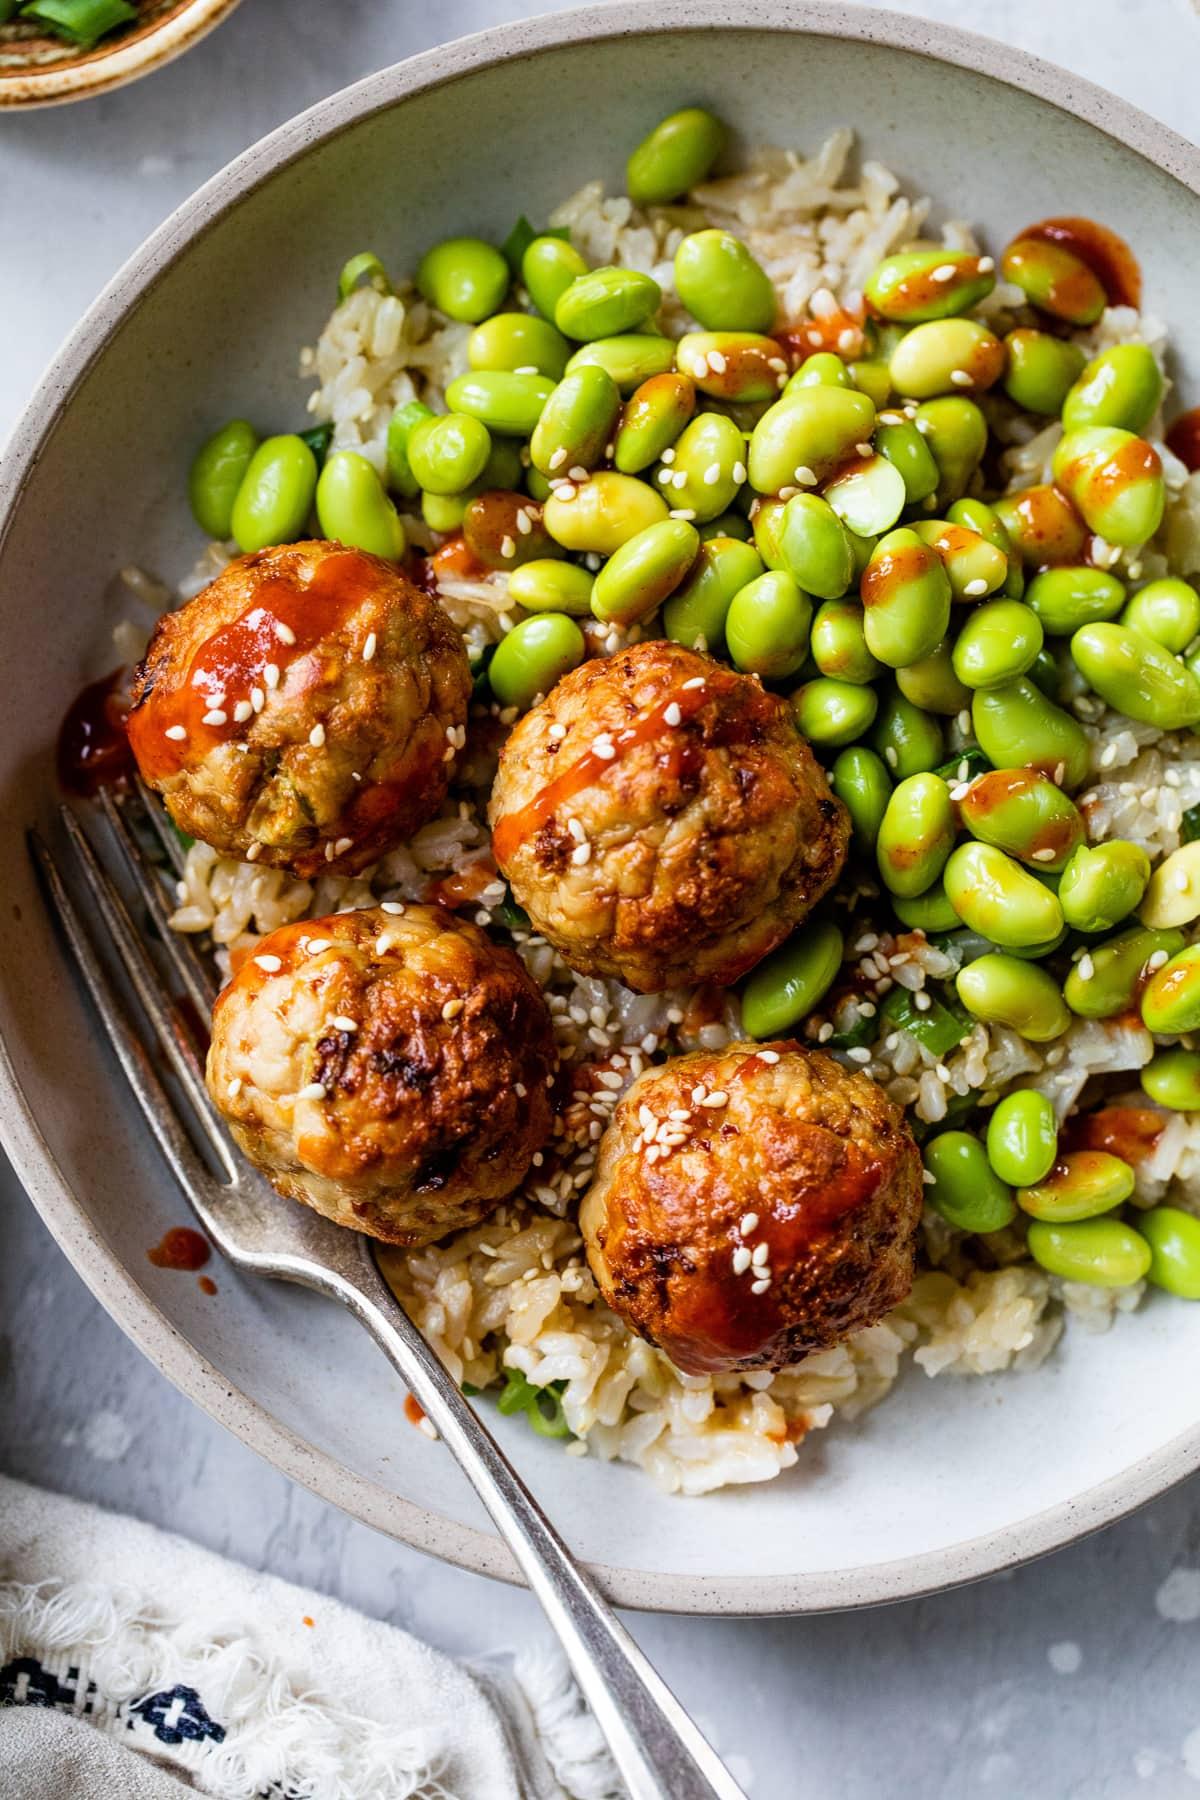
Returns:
(753, 1205)
(661, 819)
(389, 1068)
(301, 711)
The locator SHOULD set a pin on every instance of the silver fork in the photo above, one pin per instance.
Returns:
(658, 1749)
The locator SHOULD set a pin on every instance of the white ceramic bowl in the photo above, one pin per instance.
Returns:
(948, 1479)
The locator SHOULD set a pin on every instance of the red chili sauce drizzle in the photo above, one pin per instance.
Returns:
(414, 1412)
(229, 665)
(181, 1248)
(831, 331)
(891, 570)
(206, 1284)
(93, 744)
(990, 791)
(1130, 1132)
(512, 830)
(1183, 438)
(1108, 256)
(919, 288)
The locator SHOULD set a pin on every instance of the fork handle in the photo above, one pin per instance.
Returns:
(657, 1748)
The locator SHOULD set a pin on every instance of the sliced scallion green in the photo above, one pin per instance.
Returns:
(367, 267)
(81, 22)
(937, 1028)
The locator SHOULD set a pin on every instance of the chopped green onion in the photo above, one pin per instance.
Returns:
(522, 235)
(1189, 826)
(863, 1032)
(959, 1108)
(963, 767)
(80, 22)
(938, 1029)
(510, 915)
(366, 266)
(7, 9)
(318, 438)
(470, 1390)
(541, 1406)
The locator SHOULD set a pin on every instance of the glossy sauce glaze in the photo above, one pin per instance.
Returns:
(1130, 1132)
(890, 570)
(229, 675)
(1108, 256)
(995, 789)
(93, 743)
(1051, 531)
(1183, 439)
(920, 287)
(181, 1248)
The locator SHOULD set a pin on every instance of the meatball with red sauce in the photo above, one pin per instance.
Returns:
(302, 710)
(390, 1068)
(753, 1205)
(661, 820)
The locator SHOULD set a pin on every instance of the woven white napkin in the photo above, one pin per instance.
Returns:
(120, 1643)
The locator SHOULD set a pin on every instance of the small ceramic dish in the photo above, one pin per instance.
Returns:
(947, 1479)
(39, 69)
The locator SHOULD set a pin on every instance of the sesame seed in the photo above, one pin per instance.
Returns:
(749, 1222)
(682, 512)
(394, 907)
(860, 1054)
(284, 633)
(962, 377)
(1157, 961)
(575, 827)
(768, 1056)
(1087, 967)
(760, 1286)
(316, 736)
(314, 1091)
(370, 646)
(176, 732)
(603, 747)
(804, 475)
(271, 964)
(848, 339)
(760, 1254)
(825, 1033)
(696, 681)
(316, 945)
(507, 546)
(558, 457)
(252, 851)
(668, 455)
(890, 756)
(271, 675)
(741, 1260)
(665, 478)
(215, 717)
(257, 699)
(986, 264)
(452, 1009)
(582, 853)
(739, 472)
(524, 522)
(920, 1001)
(578, 473)
(329, 851)
(557, 732)
(235, 1087)
(961, 790)
(712, 474)
(242, 712)
(964, 720)
(822, 303)
(943, 272)
(1046, 856)
(673, 714)
(975, 588)
(716, 362)
(863, 449)
(342, 845)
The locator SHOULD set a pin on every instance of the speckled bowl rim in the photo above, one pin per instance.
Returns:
(100, 70)
(110, 1281)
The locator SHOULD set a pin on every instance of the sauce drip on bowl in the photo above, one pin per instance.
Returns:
(1108, 256)
(1183, 438)
(180, 1248)
(93, 745)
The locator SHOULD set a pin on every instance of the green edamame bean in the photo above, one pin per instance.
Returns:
(739, 367)
(276, 494)
(868, 495)
(916, 285)
(707, 468)
(945, 356)
(1040, 370)
(401, 426)
(786, 987)
(464, 278)
(1100, 1252)
(576, 423)
(998, 642)
(548, 268)
(1114, 479)
(1173, 894)
(916, 835)
(353, 508)
(1022, 1138)
(1173, 1080)
(727, 524)
(1174, 1239)
(909, 454)
(1167, 611)
(1043, 526)
(1109, 979)
(1103, 884)
(630, 358)
(447, 452)
(978, 516)
(1066, 598)
(605, 513)
(1081, 1185)
(547, 585)
(874, 379)
(446, 512)
(909, 740)
(766, 627)
(722, 285)
(906, 595)
(839, 643)
(1137, 676)
(1122, 386)
(929, 912)
(1055, 280)
(217, 472)
(646, 568)
(518, 342)
(506, 402)
(1004, 990)
(533, 656)
(823, 369)
(1017, 724)
(975, 567)
(834, 712)
(814, 547)
(505, 529)
(966, 1190)
(674, 157)
(1023, 813)
(957, 434)
(1171, 1001)
(1044, 674)
(653, 418)
(606, 303)
(932, 684)
(861, 782)
(695, 613)
(767, 520)
(994, 895)
(803, 439)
